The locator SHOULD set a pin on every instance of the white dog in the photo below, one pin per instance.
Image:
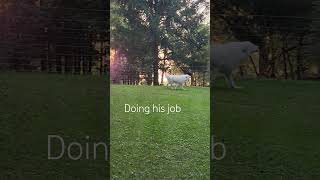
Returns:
(143, 82)
(178, 80)
(227, 57)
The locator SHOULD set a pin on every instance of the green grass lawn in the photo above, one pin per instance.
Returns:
(271, 130)
(157, 145)
(34, 105)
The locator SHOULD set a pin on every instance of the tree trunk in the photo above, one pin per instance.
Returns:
(149, 78)
(90, 65)
(299, 59)
(67, 64)
(192, 79)
(273, 67)
(43, 64)
(77, 65)
(263, 56)
(154, 26)
(284, 64)
(162, 77)
(51, 54)
(263, 59)
(155, 60)
(284, 55)
(203, 78)
(290, 66)
(101, 56)
(58, 64)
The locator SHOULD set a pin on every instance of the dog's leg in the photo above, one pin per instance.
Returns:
(182, 86)
(171, 85)
(231, 82)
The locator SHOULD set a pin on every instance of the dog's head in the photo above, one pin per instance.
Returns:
(187, 77)
(250, 48)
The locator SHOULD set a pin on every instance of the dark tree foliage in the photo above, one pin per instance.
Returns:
(55, 35)
(142, 29)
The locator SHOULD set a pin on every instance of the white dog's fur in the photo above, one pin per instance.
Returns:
(178, 80)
